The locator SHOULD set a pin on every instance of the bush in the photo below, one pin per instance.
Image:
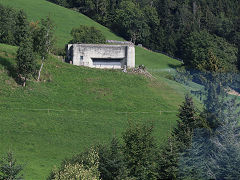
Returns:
(83, 167)
(85, 34)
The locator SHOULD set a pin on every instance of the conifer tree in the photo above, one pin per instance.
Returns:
(9, 169)
(25, 60)
(112, 165)
(187, 122)
(167, 163)
(22, 27)
(139, 150)
(215, 155)
(215, 83)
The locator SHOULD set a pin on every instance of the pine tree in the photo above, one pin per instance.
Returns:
(215, 83)
(112, 165)
(167, 163)
(9, 169)
(187, 122)
(215, 155)
(139, 151)
(25, 60)
(22, 27)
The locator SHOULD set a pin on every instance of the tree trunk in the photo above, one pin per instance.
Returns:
(24, 82)
(39, 72)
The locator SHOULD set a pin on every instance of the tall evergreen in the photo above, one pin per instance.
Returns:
(25, 60)
(215, 155)
(187, 122)
(112, 165)
(167, 162)
(10, 169)
(139, 151)
(22, 27)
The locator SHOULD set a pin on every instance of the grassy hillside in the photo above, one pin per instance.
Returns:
(75, 107)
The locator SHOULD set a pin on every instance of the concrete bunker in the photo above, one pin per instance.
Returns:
(101, 55)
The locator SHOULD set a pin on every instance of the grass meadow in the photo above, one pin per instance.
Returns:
(74, 107)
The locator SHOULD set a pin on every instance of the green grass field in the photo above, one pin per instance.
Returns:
(76, 107)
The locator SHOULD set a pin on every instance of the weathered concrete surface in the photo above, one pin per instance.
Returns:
(101, 55)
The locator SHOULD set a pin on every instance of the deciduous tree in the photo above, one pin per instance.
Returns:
(43, 40)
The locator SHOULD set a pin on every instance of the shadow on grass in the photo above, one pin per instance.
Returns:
(12, 71)
(175, 66)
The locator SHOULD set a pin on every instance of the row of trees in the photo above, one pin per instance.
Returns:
(171, 26)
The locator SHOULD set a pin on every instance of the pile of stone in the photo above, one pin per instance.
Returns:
(141, 69)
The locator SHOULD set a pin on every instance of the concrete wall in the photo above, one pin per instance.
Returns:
(83, 54)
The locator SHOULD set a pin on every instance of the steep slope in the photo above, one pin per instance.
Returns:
(75, 107)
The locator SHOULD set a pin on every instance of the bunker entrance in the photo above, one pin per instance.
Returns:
(107, 62)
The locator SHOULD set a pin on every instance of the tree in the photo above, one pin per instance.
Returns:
(215, 154)
(130, 22)
(25, 60)
(9, 169)
(43, 40)
(196, 49)
(22, 27)
(7, 25)
(85, 34)
(139, 151)
(87, 168)
(187, 122)
(111, 161)
(167, 163)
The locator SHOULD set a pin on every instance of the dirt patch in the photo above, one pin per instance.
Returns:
(233, 92)
(90, 80)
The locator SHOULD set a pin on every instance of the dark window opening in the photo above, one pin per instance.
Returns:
(107, 62)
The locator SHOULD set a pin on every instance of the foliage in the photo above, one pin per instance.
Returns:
(85, 34)
(167, 163)
(215, 155)
(22, 27)
(238, 57)
(43, 40)
(139, 151)
(196, 49)
(7, 25)
(9, 169)
(25, 60)
(187, 122)
(131, 21)
(79, 170)
(43, 37)
(182, 76)
(111, 161)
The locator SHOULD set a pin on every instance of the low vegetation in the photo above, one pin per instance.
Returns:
(87, 35)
